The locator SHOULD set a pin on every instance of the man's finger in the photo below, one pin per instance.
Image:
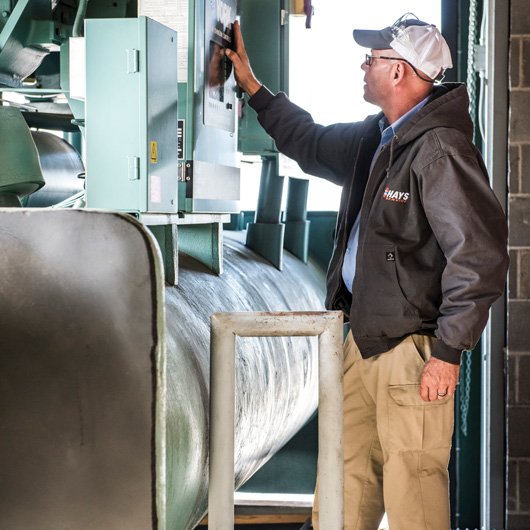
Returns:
(442, 393)
(236, 61)
(239, 46)
(428, 387)
(433, 393)
(233, 56)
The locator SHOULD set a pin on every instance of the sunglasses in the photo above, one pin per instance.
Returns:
(369, 59)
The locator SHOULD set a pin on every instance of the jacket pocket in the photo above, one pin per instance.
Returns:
(417, 425)
(380, 307)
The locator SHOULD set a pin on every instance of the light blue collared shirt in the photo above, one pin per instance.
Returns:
(349, 263)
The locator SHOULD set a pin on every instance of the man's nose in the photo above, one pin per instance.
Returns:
(364, 66)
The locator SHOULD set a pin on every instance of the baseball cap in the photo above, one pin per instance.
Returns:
(418, 42)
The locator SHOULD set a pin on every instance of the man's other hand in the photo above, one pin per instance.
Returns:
(244, 76)
(438, 379)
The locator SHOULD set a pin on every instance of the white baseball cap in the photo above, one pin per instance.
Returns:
(420, 43)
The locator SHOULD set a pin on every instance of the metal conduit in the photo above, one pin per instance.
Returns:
(225, 327)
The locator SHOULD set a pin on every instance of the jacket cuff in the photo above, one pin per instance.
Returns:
(261, 99)
(446, 353)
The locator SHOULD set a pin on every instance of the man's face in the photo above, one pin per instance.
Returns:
(377, 76)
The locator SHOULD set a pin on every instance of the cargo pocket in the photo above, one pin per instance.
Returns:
(417, 425)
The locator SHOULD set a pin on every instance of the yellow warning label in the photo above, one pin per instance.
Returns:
(154, 153)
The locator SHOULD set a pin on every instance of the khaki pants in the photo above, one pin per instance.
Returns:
(396, 446)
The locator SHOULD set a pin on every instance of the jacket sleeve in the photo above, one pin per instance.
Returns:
(470, 227)
(327, 152)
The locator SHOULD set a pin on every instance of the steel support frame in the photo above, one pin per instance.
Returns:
(493, 480)
(225, 328)
(200, 236)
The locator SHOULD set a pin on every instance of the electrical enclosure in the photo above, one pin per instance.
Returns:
(131, 115)
(208, 111)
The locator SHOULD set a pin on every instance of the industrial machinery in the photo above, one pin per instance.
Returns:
(207, 110)
(121, 131)
(110, 283)
(105, 372)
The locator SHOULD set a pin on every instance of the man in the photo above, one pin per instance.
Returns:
(420, 256)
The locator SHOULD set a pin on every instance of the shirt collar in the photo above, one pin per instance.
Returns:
(388, 131)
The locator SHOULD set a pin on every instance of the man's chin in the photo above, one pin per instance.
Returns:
(366, 96)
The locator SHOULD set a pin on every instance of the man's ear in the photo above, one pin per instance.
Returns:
(398, 72)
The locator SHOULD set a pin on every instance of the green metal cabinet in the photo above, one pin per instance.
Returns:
(131, 115)
(265, 29)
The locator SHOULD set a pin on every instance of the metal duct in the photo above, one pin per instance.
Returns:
(19, 56)
(61, 166)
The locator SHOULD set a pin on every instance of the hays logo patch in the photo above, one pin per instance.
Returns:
(396, 196)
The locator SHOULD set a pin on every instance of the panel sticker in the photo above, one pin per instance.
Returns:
(154, 153)
(156, 189)
(181, 125)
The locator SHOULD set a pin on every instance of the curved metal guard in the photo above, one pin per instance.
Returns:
(81, 363)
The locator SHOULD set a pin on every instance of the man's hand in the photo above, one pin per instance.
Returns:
(438, 379)
(244, 76)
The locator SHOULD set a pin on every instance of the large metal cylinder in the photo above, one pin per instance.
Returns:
(277, 377)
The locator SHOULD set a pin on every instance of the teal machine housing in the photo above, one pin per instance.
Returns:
(131, 115)
(208, 157)
(265, 28)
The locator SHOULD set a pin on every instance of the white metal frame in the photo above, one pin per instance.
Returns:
(225, 328)
(493, 468)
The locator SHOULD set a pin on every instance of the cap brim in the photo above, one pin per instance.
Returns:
(370, 38)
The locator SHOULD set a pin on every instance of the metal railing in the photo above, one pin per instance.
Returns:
(225, 328)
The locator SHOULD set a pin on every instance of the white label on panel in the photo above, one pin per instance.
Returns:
(156, 189)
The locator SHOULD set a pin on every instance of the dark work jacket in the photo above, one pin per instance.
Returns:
(432, 254)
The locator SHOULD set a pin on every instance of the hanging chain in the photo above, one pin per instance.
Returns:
(465, 390)
(471, 74)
